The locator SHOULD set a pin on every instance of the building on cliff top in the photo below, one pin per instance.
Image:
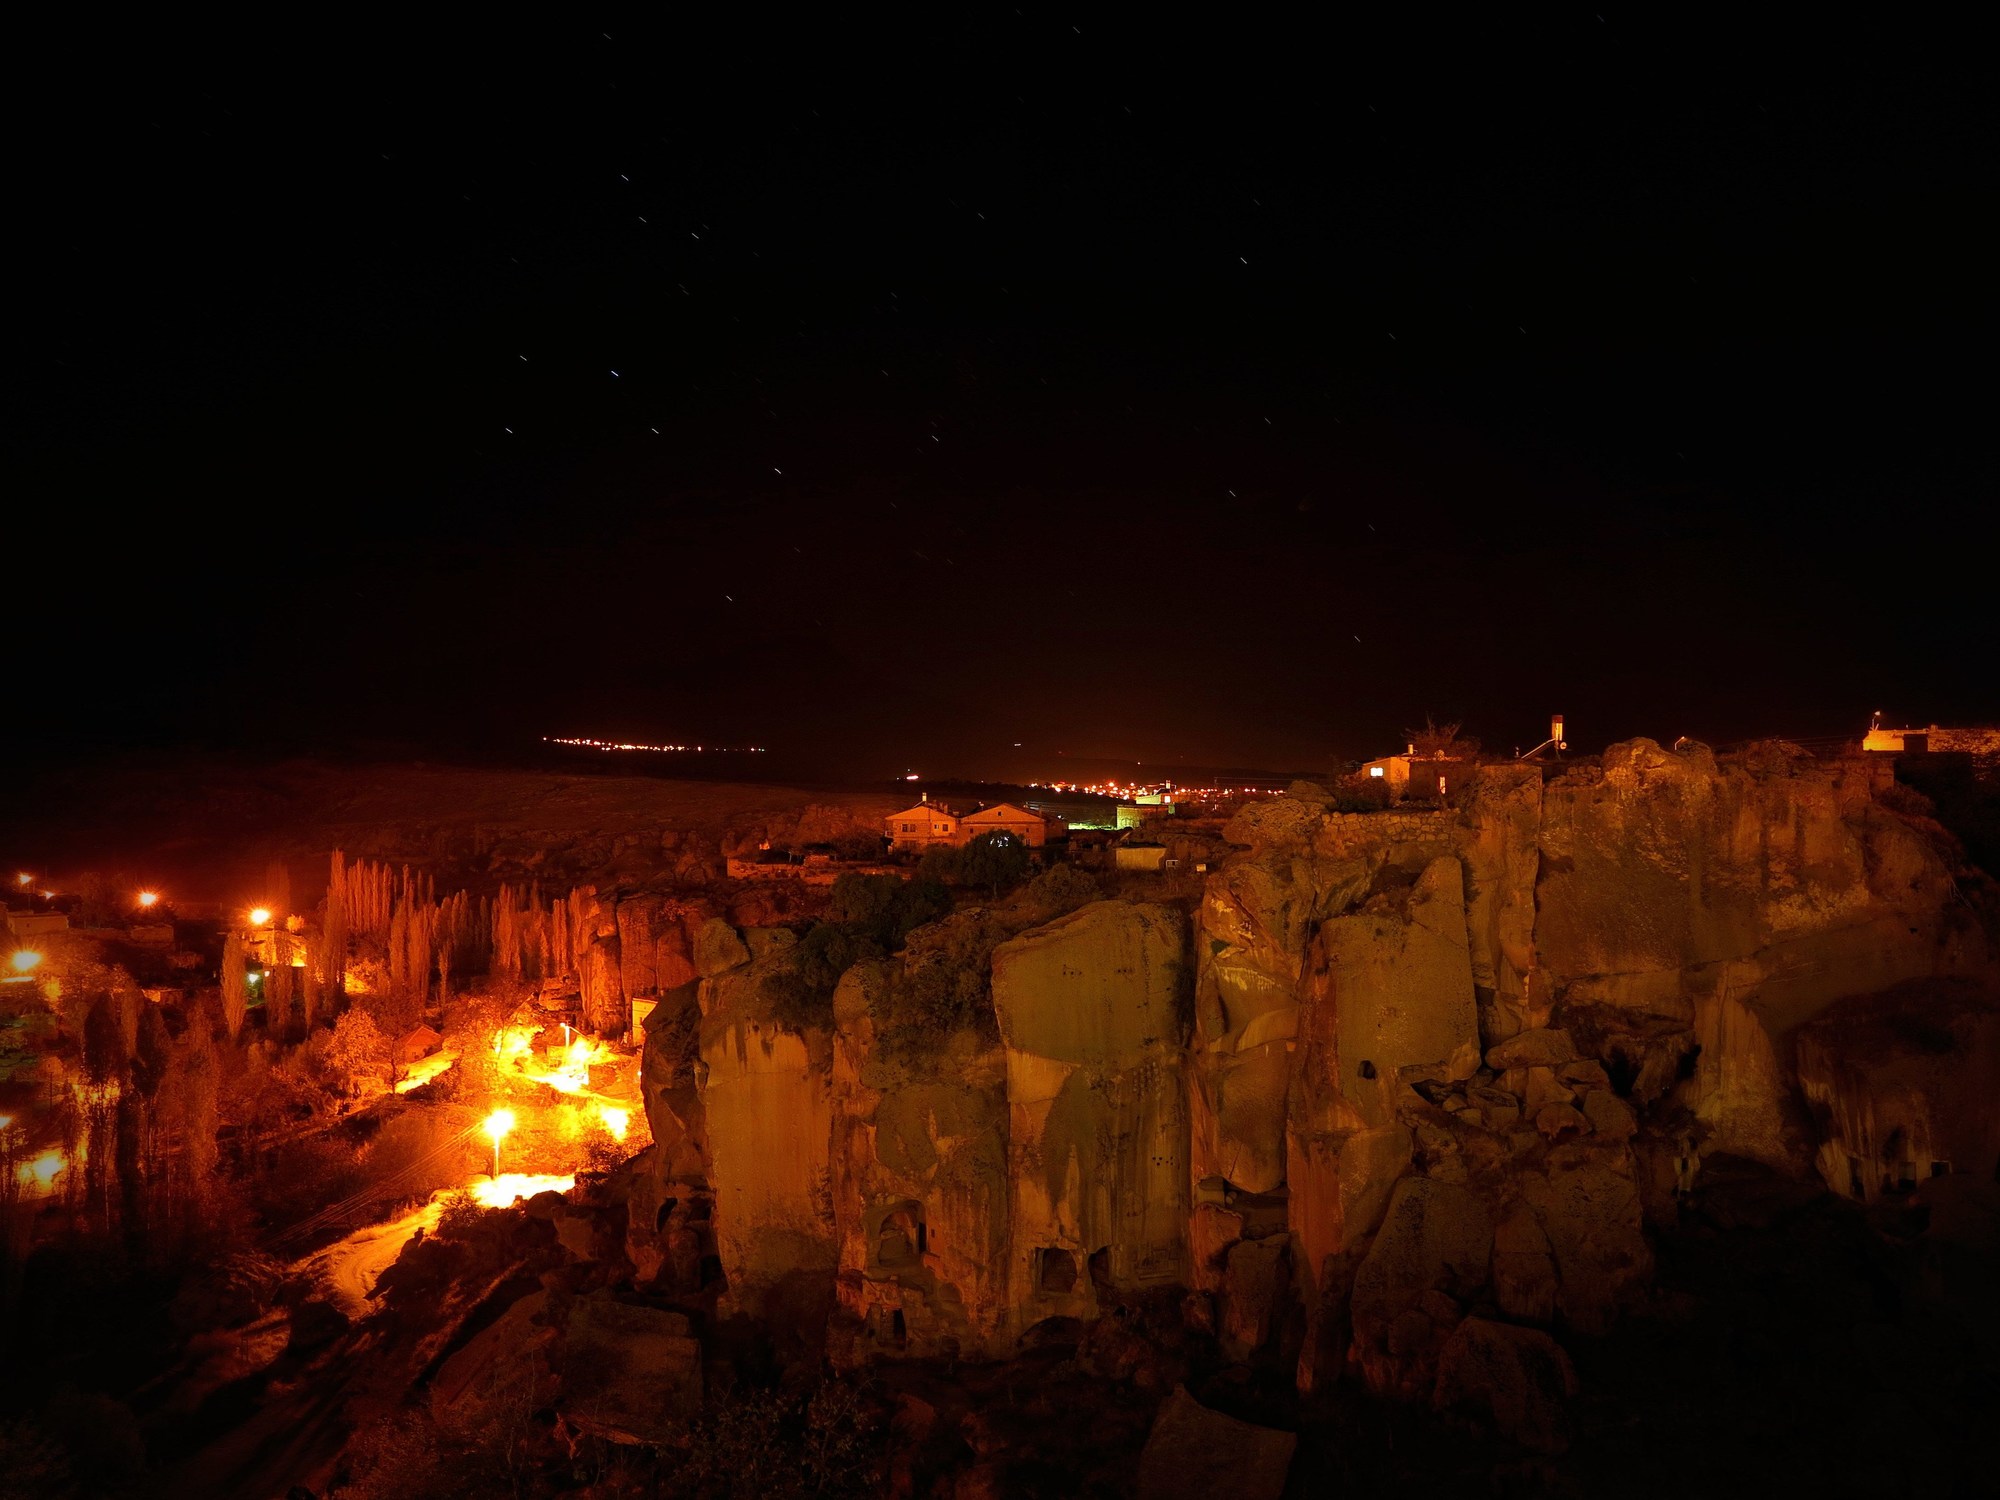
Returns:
(1398, 771)
(938, 822)
(1934, 738)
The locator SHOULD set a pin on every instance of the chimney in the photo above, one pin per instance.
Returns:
(1556, 730)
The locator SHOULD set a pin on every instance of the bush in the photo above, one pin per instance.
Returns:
(886, 908)
(462, 1216)
(992, 861)
(800, 991)
(772, 1445)
(946, 983)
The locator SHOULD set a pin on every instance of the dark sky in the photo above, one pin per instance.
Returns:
(890, 396)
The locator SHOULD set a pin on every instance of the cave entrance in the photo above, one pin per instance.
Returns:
(1100, 1269)
(900, 1239)
(1055, 1271)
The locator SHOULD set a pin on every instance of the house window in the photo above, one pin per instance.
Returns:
(1374, 770)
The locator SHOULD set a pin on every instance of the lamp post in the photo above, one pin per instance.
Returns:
(497, 1125)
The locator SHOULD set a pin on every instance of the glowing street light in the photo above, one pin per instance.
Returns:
(149, 898)
(25, 961)
(497, 1125)
(259, 915)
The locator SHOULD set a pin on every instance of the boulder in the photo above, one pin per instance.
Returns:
(1514, 1382)
(718, 948)
(630, 1374)
(1196, 1453)
(1544, 1047)
(1558, 1120)
(1276, 820)
(498, 1355)
(1609, 1116)
(1587, 1200)
(1524, 1270)
(1254, 1281)
(1437, 1241)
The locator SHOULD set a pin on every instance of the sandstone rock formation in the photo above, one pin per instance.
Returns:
(1089, 1020)
(1411, 1073)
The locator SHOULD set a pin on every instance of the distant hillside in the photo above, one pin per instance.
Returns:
(207, 829)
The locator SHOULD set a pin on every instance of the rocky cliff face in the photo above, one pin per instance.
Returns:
(1408, 1073)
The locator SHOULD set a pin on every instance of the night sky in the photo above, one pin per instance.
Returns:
(887, 397)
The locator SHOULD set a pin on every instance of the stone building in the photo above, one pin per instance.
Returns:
(937, 822)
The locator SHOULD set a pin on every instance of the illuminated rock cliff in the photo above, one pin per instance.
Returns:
(1397, 1071)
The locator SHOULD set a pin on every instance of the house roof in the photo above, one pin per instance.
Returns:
(1006, 811)
(928, 810)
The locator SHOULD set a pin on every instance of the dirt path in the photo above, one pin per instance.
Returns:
(348, 1268)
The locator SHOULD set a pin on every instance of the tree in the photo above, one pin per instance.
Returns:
(886, 908)
(235, 986)
(800, 990)
(1441, 741)
(356, 1050)
(994, 860)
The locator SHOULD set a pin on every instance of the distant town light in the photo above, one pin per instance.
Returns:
(25, 961)
(24, 878)
(259, 915)
(149, 898)
(911, 777)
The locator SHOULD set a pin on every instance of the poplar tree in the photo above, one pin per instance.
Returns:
(235, 986)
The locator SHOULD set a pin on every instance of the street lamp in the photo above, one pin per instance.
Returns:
(259, 915)
(149, 898)
(497, 1125)
(25, 961)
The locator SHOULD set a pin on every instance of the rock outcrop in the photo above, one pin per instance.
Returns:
(1089, 1016)
(1400, 1105)
(1903, 1087)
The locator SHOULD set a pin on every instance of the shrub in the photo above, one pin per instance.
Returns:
(462, 1216)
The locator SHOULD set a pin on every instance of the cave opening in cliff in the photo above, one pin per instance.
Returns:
(900, 1240)
(1055, 1272)
(1100, 1268)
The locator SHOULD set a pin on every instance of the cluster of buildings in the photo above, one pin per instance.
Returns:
(927, 823)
